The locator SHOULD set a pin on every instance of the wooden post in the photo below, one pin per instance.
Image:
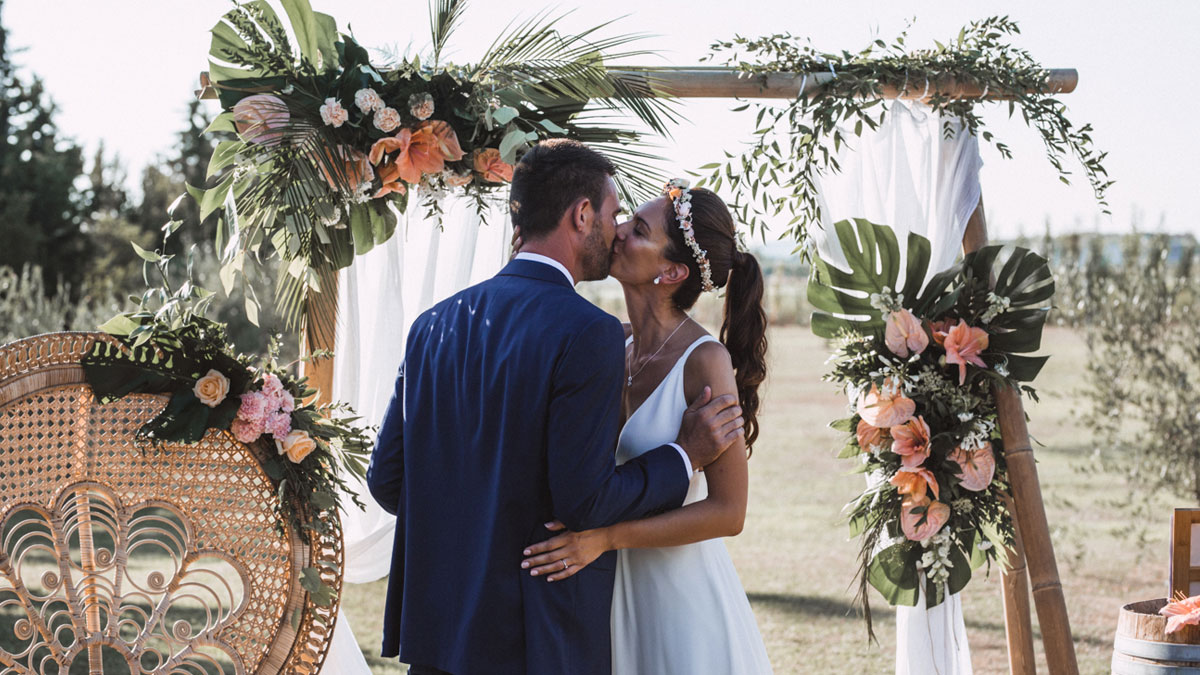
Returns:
(1030, 514)
(321, 311)
(1018, 628)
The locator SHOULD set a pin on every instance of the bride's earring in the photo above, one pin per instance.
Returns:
(658, 280)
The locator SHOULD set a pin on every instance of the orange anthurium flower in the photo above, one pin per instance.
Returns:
(913, 482)
(445, 139)
(417, 153)
(977, 467)
(1182, 612)
(344, 166)
(493, 169)
(888, 408)
(939, 329)
(963, 345)
(904, 334)
(911, 441)
(921, 526)
(871, 439)
(390, 175)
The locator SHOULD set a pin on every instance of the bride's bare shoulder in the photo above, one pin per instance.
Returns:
(628, 329)
(709, 365)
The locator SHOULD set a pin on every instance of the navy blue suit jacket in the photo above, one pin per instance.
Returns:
(505, 417)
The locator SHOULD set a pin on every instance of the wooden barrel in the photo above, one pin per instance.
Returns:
(1143, 647)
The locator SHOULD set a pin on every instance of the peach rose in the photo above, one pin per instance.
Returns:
(914, 482)
(493, 169)
(367, 100)
(212, 388)
(963, 345)
(904, 334)
(417, 152)
(296, 445)
(871, 439)
(885, 409)
(921, 526)
(976, 467)
(333, 114)
(260, 117)
(447, 140)
(387, 119)
(911, 441)
(345, 166)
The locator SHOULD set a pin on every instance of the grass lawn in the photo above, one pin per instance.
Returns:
(797, 564)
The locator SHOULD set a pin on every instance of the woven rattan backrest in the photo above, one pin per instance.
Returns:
(117, 557)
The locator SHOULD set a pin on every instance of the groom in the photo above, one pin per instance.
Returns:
(504, 418)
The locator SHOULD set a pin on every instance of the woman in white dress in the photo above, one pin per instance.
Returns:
(678, 606)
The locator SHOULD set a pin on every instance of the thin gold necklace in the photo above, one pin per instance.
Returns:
(629, 363)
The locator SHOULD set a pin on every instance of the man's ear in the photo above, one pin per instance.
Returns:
(583, 213)
(677, 273)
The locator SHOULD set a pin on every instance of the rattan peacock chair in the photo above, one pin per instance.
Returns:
(119, 557)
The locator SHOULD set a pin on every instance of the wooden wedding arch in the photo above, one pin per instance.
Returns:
(1031, 560)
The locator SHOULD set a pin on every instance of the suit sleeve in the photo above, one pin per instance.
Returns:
(587, 489)
(385, 474)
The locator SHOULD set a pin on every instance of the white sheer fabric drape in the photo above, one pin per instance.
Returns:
(379, 296)
(908, 175)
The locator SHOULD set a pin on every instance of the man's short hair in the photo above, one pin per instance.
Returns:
(550, 177)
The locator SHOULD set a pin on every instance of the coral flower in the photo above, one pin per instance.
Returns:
(1182, 612)
(871, 439)
(913, 482)
(390, 175)
(259, 119)
(939, 330)
(447, 140)
(977, 467)
(492, 168)
(921, 526)
(963, 345)
(345, 167)
(911, 441)
(417, 152)
(888, 408)
(904, 334)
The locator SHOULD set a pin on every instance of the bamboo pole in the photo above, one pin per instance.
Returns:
(720, 82)
(1030, 514)
(1018, 628)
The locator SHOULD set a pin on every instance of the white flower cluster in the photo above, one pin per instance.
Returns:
(936, 559)
(962, 505)
(979, 435)
(997, 305)
(887, 300)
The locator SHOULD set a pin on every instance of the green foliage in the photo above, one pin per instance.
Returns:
(797, 141)
(28, 307)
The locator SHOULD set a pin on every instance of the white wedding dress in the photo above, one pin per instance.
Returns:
(679, 609)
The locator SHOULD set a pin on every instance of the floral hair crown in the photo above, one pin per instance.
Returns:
(681, 199)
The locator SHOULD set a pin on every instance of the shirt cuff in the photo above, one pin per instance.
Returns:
(687, 462)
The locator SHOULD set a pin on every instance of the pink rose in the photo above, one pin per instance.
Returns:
(904, 334)
(367, 101)
(246, 432)
(278, 424)
(260, 117)
(333, 114)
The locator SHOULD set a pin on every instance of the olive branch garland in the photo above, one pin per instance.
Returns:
(777, 174)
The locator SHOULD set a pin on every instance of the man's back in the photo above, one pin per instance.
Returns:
(511, 406)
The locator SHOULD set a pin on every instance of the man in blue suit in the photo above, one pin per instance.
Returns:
(504, 418)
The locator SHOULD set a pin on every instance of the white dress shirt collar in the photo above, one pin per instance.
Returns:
(537, 257)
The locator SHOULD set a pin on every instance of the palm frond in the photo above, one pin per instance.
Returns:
(443, 19)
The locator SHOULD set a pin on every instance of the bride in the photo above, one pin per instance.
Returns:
(678, 606)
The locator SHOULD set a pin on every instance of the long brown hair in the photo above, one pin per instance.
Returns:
(744, 328)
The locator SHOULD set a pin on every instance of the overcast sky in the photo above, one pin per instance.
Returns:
(122, 71)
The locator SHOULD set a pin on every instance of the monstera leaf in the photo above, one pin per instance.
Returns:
(842, 299)
(1026, 281)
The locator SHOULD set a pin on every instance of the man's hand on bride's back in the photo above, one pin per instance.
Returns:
(709, 427)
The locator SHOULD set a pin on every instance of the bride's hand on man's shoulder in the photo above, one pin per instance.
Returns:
(563, 555)
(517, 242)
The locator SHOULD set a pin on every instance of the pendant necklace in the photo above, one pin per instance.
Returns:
(629, 363)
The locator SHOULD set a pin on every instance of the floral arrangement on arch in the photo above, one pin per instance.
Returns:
(324, 146)
(169, 347)
(919, 363)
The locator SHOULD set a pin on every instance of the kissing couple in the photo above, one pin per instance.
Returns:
(559, 503)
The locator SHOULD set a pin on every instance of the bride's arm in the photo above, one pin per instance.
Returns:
(721, 514)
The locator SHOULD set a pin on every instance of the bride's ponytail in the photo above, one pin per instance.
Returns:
(744, 333)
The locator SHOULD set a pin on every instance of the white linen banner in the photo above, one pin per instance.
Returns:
(379, 296)
(908, 175)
